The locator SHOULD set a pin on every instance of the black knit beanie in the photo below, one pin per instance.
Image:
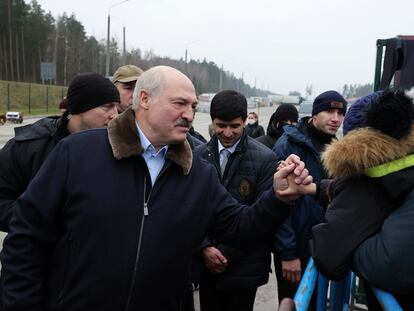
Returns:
(328, 100)
(286, 112)
(90, 90)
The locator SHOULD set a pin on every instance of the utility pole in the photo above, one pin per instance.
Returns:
(221, 78)
(124, 48)
(108, 36)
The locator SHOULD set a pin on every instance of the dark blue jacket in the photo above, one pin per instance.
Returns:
(292, 239)
(369, 221)
(249, 172)
(386, 259)
(90, 233)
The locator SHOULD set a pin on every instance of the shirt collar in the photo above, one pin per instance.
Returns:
(146, 144)
(230, 149)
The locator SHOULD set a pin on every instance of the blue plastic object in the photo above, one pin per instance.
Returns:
(306, 287)
(341, 293)
(387, 301)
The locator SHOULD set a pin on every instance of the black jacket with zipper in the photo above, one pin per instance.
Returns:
(249, 172)
(22, 157)
(90, 233)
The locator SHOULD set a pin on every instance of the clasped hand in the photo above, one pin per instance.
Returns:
(292, 180)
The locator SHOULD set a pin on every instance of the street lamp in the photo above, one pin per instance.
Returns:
(186, 47)
(221, 73)
(109, 34)
(123, 39)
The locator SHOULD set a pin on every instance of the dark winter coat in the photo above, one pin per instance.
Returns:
(378, 174)
(90, 233)
(22, 157)
(249, 172)
(273, 132)
(254, 130)
(292, 239)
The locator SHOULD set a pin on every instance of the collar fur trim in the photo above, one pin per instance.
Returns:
(125, 142)
(362, 149)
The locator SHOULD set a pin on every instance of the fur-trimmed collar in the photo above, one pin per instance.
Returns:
(124, 140)
(364, 148)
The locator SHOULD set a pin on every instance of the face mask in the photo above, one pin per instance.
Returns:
(251, 121)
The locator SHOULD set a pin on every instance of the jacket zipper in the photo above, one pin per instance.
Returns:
(141, 231)
(146, 213)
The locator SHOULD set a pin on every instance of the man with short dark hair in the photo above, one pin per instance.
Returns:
(111, 220)
(91, 100)
(124, 79)
(231, 277)
(307, 140)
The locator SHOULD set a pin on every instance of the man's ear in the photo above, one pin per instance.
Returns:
(144, 99)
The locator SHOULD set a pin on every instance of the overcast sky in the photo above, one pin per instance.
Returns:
(283, 45)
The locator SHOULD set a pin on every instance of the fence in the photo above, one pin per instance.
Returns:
(341, 293)
(30, 98)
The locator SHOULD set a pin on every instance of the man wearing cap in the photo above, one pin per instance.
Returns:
(307, 140)
(92, 104)
(124, 79)
(285, 114)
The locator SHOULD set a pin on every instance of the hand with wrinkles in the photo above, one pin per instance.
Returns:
(214, 259)
(292, 179)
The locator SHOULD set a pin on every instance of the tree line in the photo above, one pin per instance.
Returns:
(30, 36)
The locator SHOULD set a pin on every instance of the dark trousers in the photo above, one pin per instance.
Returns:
(213, 299)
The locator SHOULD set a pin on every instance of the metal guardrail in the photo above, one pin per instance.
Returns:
(387, 301)
(341, 293)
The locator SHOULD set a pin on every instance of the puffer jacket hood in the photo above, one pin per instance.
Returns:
(364, 149)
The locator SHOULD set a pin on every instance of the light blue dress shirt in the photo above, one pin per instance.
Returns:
(229, 149)
(155, 160)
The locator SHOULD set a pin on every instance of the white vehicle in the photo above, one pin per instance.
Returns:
(204, 102)
(14, 117)
(305, 109)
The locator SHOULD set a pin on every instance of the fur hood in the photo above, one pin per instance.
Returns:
(124, 140)
(362, 149)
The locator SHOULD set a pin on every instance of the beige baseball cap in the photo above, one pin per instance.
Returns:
(127, 73)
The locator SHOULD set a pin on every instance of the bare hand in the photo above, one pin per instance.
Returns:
(292, 271)
(214, 259)
(294, 190)
(285, 181)
(301, 173)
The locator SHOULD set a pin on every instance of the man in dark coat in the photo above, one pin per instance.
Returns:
(232, 276)
(285, 114)
(307, 140)
(92, 103)
(113, 216)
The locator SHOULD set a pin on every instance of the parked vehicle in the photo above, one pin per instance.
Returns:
(14, 117)
(305, 109)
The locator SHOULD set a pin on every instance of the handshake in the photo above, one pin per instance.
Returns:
(292, 180)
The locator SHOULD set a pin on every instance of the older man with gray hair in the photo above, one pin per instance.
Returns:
(112, 218)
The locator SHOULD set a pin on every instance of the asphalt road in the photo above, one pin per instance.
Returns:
(266, 298)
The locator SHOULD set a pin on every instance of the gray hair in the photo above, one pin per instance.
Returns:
(152, 81)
